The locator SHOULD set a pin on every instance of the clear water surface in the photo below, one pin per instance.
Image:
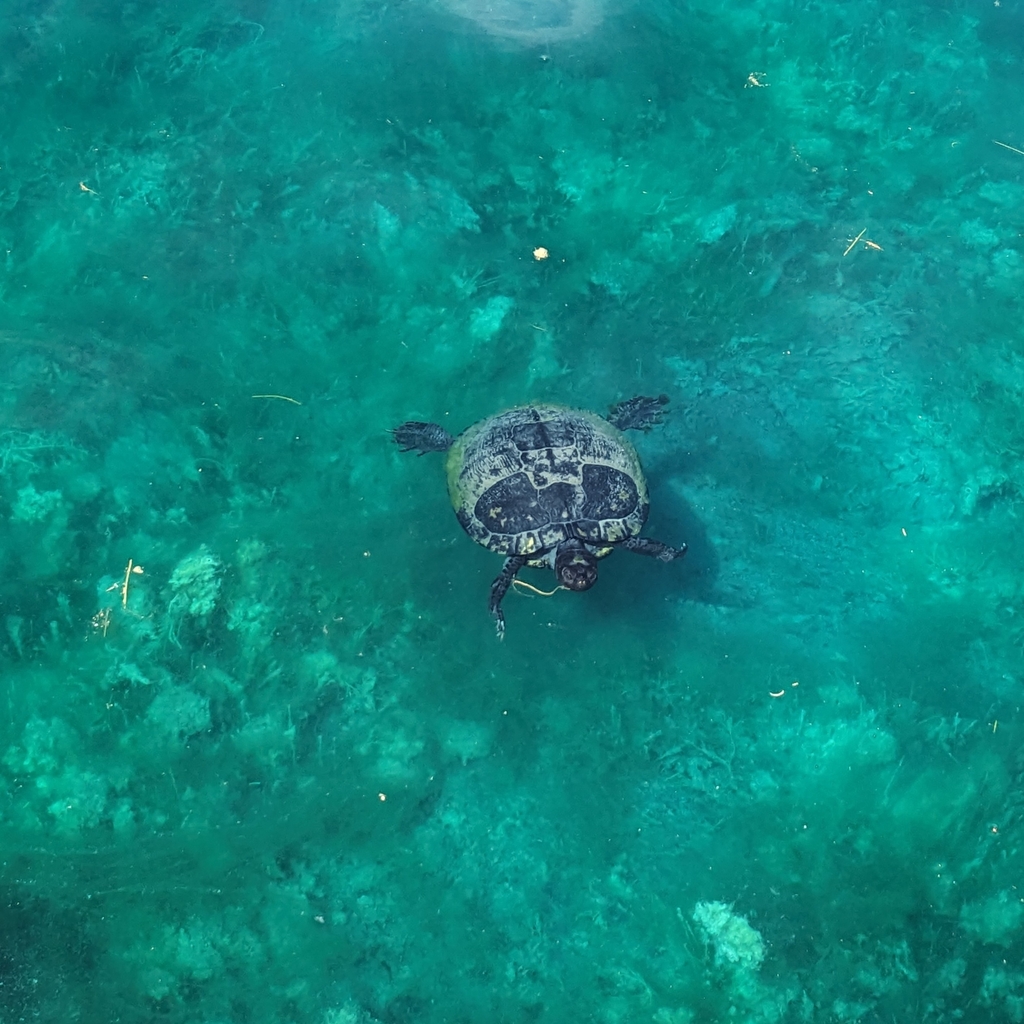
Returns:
(262, 758)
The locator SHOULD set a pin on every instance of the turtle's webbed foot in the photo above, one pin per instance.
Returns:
(639, 413)
(653, 548)
(499, 588)
(671, 554)
(414, 436)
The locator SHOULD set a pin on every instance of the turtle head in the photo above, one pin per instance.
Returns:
(575, 566)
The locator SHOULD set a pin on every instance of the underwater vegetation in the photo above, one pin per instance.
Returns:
(262, 758)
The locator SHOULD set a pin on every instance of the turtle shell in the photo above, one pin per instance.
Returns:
(524, 480)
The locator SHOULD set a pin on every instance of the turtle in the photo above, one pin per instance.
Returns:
(549, 486)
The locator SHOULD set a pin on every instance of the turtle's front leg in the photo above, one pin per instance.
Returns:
(499, 588)
(414, 436)
(640, 413)
(654, 548)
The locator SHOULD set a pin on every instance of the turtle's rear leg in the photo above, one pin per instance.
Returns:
(499, 588)
(653, 548)
(413, 436)
(640, 413)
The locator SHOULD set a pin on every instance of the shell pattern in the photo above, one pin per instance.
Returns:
(524, 480)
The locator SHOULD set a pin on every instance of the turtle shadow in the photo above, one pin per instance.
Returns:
(650, 588)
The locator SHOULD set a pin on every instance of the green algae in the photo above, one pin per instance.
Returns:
(285, 772)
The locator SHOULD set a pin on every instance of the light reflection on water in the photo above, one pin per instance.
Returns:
(532, 21)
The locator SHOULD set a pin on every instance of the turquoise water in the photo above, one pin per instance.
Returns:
(285, 771)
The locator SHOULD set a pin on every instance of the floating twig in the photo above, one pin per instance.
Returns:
(854, 242)
(284, 398)
(1012, 149)
(130, 569)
